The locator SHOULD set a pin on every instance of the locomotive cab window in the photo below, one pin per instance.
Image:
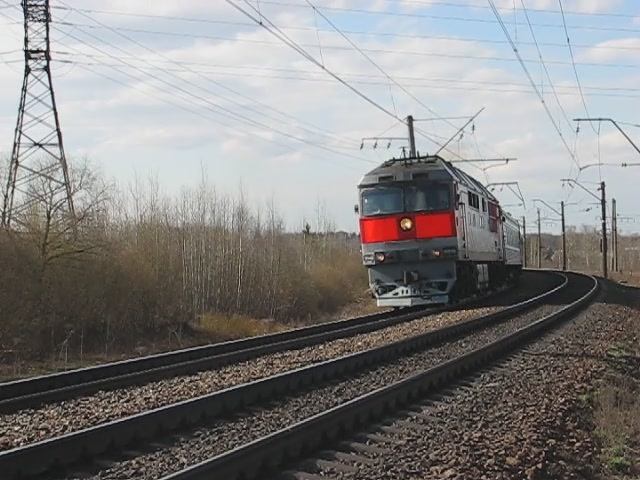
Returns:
(427, 197)
(382, 201)
(474, 201)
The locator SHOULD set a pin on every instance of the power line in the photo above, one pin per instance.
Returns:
(384, 72)
(309, 29)
(533, 83)
(187, 109)
(446, 17)
(265, 23)
(218, 84)
(544, 66)
(573, 63)
(257, 71)
(376, 65)
(430, 3)
(420, 53)
(212, 106)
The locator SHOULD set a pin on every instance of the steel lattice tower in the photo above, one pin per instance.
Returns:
(38, 152)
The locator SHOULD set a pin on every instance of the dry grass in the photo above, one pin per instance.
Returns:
(617, 421)
(231, 327)
(617, 408)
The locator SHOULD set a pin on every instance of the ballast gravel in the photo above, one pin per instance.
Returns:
(527, 418)
(31, 425)
(59, 418)
(225, 434)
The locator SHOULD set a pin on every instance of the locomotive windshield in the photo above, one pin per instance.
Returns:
(382, 201)
(425, 198)
(412, 198)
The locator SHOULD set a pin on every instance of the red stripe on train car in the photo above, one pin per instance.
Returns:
(380, 229)
(426, 225)
(435, 225)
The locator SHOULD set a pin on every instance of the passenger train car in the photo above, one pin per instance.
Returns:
(432, 234)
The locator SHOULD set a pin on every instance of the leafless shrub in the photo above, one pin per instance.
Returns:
(140, 266)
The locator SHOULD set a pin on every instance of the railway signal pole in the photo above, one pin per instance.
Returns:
(38, 152)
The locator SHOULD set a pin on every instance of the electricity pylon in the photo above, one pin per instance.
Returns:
(38, 153)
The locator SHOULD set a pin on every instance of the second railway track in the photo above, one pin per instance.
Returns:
(151, 425)
(35, 391)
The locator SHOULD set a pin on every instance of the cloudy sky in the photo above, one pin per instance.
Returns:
(169, 88)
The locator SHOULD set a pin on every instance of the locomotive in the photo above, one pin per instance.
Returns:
(432, 234)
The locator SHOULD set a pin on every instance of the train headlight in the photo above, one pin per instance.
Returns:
(406, 224)
(380, 257)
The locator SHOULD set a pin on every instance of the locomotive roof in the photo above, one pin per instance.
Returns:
(432, 167)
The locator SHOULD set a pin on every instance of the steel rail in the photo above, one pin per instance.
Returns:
(267, 454)
(32, 392)
(67, 449)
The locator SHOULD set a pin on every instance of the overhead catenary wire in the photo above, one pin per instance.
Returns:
(219, 84)
(376, 65)
(384, 51)
(215, 108)
(533, 83)
(544, 66)
(258, 71)
(573, 63)
(444, 17)
(212, 106)
(377, 33)
(265, 23)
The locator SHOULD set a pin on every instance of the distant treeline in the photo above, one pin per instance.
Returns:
(584, 250)
(139, 265)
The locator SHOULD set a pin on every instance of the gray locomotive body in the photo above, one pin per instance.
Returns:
(430, 233)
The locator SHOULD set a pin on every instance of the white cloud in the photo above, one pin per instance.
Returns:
(609, 50)
(134, 125)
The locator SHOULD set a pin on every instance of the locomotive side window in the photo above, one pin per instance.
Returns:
(424, 198)
(474, 200)
(381, 201)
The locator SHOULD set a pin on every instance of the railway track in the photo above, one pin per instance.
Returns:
(35, 391)
(146, 427)
(280, 449)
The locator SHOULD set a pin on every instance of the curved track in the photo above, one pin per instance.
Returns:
(274, 451)
(35, 391)
(147, 426)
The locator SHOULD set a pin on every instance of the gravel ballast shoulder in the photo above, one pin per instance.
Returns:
(226, 434)
(527, 418)
(32, 425)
